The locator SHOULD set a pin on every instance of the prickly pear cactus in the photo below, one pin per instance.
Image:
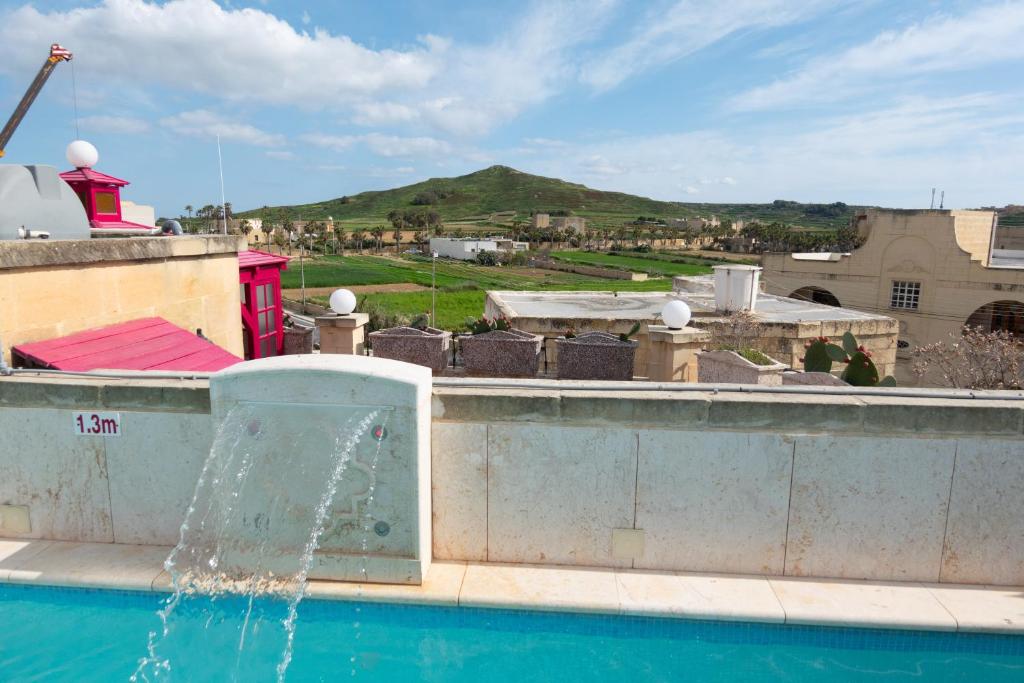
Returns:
(860, 369)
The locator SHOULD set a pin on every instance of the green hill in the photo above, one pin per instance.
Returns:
(505, 191)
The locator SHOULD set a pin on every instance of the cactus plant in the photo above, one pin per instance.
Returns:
(860, 370)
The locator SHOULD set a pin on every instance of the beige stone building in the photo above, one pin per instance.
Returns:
(933, 270)
(54, 288)
(574, 223)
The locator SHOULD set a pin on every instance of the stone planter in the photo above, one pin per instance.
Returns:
(429, 347)
(297, 340)
(501, 354)
(728, 367)
(812, 379)
(595, 355)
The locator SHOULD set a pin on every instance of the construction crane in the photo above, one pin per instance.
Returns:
(57, 55)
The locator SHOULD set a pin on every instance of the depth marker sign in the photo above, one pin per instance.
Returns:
(97, 424)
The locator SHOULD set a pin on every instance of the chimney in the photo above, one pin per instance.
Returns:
(736, 288)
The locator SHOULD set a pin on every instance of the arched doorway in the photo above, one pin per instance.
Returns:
(1003, 316)
(817, 295)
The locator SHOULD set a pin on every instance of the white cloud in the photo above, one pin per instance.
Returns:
(383, 113)
(338, 143)
(305, 17)
(202, 123)
(378, 143)
(689, 26)
(248, 55)
(986, 35)
(394, 146)
(196, 45)
(125, 125)
(690, 189)
(281, 155)
(970, 145)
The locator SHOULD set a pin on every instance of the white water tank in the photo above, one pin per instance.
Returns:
(736, 287)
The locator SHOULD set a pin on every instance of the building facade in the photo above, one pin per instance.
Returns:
(466, 248)
(935, 271)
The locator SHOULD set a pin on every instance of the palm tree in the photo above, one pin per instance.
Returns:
(358, 236)
(378, 237)
(246, 228)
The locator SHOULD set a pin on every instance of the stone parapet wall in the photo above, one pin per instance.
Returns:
(841, 484)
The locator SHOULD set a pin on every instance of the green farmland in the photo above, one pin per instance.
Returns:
(462, 286)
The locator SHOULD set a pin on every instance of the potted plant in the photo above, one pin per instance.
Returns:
(596, 355)
(494, 349)
(732, 359)
(415, 343)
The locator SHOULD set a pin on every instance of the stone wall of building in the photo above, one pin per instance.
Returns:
(834, 484)
(945, 252)
(54, 288)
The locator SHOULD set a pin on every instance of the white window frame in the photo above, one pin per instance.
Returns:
(905, 295)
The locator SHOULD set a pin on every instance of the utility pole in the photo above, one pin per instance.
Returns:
(932, 205)
(302, 273)
(433, 288)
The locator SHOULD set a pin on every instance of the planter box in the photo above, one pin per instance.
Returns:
(595, 355)
(501, 354)
(429, 347)
(297, 340)
(728, 367)
(812, 379)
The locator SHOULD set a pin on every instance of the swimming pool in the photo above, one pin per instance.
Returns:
(49, 634)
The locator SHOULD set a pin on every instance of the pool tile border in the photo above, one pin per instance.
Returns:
(714, 597)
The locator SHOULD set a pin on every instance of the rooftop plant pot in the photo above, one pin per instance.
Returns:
(595, 355)
(429, 347)
(500, 353)
(297, 340)
(729, 367)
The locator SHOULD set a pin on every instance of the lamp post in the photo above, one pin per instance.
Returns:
(302, 274)
(433, 288)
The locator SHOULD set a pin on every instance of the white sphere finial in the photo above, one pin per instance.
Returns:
(82, 154)
(676, 314)
(343, 301)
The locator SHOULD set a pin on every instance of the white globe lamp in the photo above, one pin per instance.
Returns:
(343, 301)
(676, 314)
(82, 154)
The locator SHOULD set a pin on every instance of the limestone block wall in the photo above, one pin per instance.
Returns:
(828, 485)
(54, 288)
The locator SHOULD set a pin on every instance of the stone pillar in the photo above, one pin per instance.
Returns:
(673, 353)
(342, 333)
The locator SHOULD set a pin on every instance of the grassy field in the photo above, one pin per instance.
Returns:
(461, 286)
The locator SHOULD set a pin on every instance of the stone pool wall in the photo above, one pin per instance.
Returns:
(827, 485)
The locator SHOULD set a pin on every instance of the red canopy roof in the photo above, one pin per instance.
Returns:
(144, 344)
(87, 174)
(253, 257)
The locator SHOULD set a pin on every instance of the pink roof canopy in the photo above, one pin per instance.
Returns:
(143, 344)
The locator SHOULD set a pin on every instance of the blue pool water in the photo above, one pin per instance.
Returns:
(80, 635)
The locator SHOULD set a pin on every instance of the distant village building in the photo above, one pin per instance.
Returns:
(933, 270)
(466, 248)
(573, 223)
(540, 220)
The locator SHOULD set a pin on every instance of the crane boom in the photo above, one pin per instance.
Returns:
(57, 55)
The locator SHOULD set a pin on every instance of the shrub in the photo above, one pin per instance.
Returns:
(975, 360)
(487, 258)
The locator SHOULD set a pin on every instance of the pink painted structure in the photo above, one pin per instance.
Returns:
(259, 274)
(101, 196)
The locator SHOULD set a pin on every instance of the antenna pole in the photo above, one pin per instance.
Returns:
(223, 204)
(932, 206)
(942, 199)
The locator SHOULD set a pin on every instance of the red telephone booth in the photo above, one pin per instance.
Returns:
(259, 275)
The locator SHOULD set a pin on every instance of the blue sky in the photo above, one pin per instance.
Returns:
(869, 102)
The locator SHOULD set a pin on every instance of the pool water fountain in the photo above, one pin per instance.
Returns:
(320, 468)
